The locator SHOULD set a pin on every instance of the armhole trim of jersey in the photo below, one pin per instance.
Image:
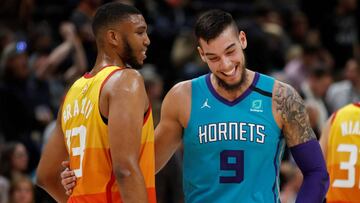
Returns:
(333, 118)
(103, 118)
(147, 113)
(263, 92)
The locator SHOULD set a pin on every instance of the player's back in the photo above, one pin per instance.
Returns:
(342, 159)
(87, 141)
(232, 150)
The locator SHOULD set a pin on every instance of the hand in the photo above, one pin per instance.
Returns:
(68, 178)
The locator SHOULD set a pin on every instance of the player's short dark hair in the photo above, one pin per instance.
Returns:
(212, 23)
(111, 13)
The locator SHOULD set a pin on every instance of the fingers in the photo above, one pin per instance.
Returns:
(65, 164)
(68, 192)
(68, 180)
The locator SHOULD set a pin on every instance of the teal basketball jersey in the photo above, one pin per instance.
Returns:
(232, 150)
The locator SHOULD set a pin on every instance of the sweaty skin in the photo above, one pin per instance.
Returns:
(123, 101)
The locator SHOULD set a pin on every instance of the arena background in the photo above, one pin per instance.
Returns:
(45, 45)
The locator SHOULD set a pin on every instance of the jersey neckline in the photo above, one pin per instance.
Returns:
(238, 99)
(88, 75)
(357, 104)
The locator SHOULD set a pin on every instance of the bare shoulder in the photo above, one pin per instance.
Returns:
(127, 83)
(289, 106)
(126, 78)
(181, 89)
(124, 81)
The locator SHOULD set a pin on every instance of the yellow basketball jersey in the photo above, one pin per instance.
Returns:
(86, 138)
(343, 160)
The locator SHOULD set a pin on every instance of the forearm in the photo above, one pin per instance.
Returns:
(53, 187)
(58, 55)
(132, 186)
(310, 160)
(79, 57)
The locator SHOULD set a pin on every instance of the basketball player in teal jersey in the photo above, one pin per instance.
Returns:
(234, 124)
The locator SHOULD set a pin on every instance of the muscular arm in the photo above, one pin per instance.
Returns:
(302, 142)
(290, 107)
(127, 101)
(49, 168)
(175, 112)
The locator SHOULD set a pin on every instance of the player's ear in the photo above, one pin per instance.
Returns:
(242, 39)
(113, 37)
(201, 53)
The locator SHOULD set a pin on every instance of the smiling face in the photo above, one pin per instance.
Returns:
(135, 41)
(225, 57)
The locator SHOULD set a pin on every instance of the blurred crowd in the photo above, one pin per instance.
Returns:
(46, 45)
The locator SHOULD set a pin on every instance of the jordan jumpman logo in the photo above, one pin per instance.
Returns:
(206, 104)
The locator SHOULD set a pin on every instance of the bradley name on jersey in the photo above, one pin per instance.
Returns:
(84, 107)
(227, 131)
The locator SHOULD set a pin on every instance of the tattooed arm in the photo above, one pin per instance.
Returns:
(290, 110)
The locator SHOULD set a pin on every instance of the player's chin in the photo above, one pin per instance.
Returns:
(140, 60)
(138, 65)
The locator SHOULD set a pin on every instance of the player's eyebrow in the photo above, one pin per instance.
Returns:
(227, 48)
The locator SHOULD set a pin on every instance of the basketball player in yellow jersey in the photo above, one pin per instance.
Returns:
(104, 126)
(340, 143)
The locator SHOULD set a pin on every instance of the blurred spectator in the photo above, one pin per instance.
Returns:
(340, 32)
(37, 62)
(22, 190)
(313, 90)
(297, 69)
(64, 64)
(6, 37)
(14, 161)
(82, 18)
(16, 14)
(299, 27)
(185, 57)
(19, 96)
(40, 39)
(270, 41)
(166, 19)
(4, 189)
(346, 91)
(154, 89)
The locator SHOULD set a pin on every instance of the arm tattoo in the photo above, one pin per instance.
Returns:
(290, 106)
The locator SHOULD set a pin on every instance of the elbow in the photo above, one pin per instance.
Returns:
(123, 171)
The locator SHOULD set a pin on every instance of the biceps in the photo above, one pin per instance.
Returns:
(297, 129)
(291, 108)
(124, 135)
(168, 133)
(167, 141)
(53, 154)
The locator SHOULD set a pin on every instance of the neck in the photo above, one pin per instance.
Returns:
(231, 95)
(105, 58)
